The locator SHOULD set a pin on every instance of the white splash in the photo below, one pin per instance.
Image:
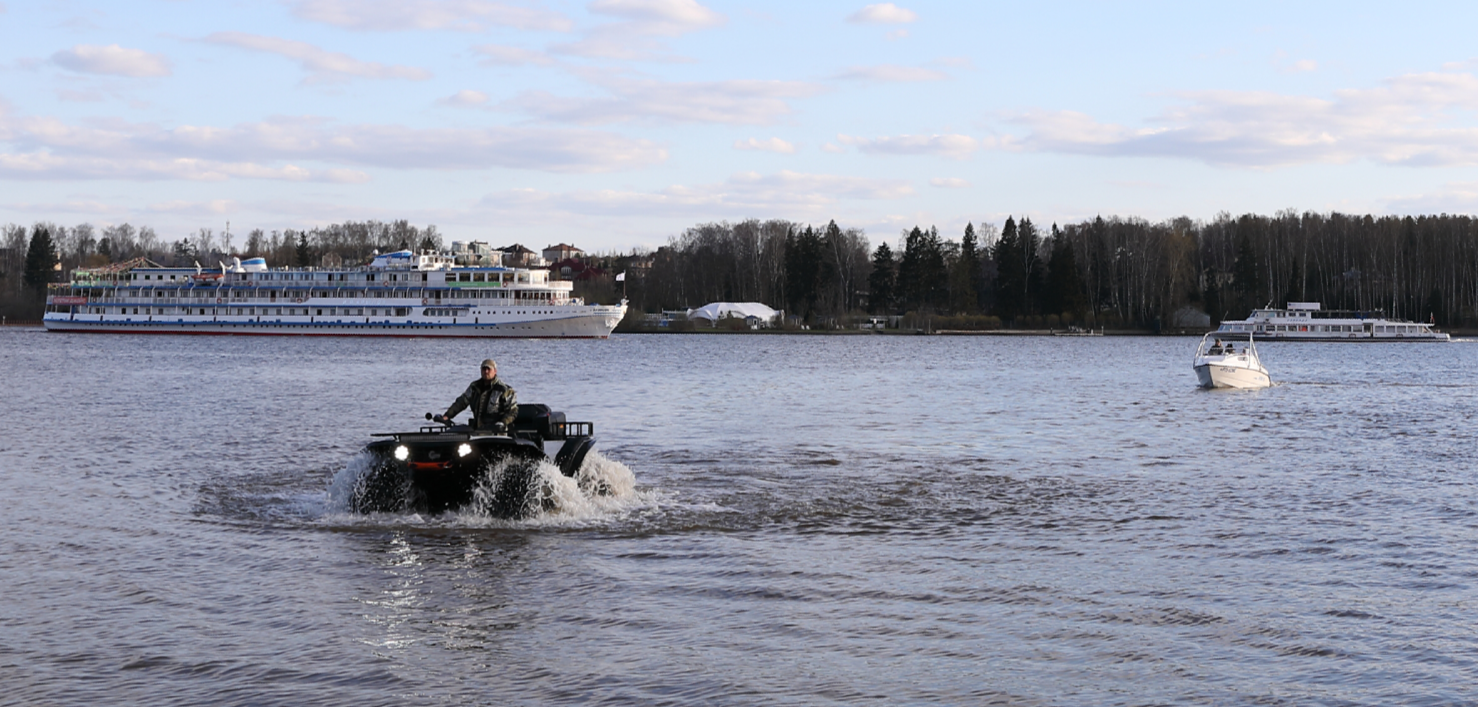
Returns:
(601, 490)
(347, 481)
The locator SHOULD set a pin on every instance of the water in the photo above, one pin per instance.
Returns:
(814, 520)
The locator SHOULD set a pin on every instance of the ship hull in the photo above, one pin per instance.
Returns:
(592, 326)
(1218, 376)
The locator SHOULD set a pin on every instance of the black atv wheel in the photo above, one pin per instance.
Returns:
(385, 488)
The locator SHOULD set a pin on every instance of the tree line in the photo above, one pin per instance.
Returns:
(1114, 271)
(1100, 272)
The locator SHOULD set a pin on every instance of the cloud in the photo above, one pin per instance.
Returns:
(632, 38)
(112, 60)
(46, 148)
(321, 65)
(954, 146)
(883, 13)
(1416, 120)
(1453, 198)
(674, 15)
(833, 148)
(212, 207)
(890, 74)
(457, 15)
(948, 183)
(739, 102)
(740, 196)
(773, 144)
(45, 165)
(1301, 66)
(501, 55)
(465, 98)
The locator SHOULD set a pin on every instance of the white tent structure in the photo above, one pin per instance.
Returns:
(715, 311)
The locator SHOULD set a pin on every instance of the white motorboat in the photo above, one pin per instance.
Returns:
(1230, 364)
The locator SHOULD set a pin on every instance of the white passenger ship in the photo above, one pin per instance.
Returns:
(1305, 321)
(397, 294)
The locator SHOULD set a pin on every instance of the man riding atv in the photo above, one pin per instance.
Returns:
(494, 404)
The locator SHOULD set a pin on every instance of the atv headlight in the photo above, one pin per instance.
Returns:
(402, 452)
(464, 450)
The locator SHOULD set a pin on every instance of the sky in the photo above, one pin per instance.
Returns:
(614, 125)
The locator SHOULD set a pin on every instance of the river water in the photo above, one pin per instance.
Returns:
(814, 520)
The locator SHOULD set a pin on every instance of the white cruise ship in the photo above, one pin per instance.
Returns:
(1305, 321)
(397, 294)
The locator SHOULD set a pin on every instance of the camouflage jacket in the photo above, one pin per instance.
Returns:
(490, 401)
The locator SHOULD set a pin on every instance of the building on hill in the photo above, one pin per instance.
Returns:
(556, 253)
(571, 269)
(517, 256)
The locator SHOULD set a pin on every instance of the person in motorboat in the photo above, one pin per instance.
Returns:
(494, 404)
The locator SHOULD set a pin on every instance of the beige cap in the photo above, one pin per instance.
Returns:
(490, 363)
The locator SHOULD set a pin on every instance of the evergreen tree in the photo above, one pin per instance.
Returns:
(304, 253)
(911, 287)
(1212, 297)
(970, 263)
(1246, 276)
(803, 271)
(882, 282)
(1065, 293)
(1031, 266)
(41, 259)
(935, 274)
(1295, 284)
(1010, 273)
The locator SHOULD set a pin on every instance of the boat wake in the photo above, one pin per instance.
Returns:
(603, 488)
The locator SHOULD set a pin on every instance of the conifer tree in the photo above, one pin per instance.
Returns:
(882, 282)
(1065, 293)
(41, 259)
(967, 266)
(303, 253)
(1031, 265)
(1010, 272)
(910, 290)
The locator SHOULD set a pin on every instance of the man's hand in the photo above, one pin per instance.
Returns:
(499, 427)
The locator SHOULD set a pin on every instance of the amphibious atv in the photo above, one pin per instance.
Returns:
(443, 466)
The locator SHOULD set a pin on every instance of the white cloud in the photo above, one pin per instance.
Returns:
(45, 165)
(670, 15)
(112, 60)
(954, 146)
(1454, 198)
(213, 207)
(726, 102)
(465, 98)
(883, 13)
(742, 195)
(948, 183)
(773, 144)
(1301, 66)
(45, 148)
(459, 15)
(502, 55)
(321, 65)
(833, 148)
(890, 74)
(1416, 119)
(632, 39)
